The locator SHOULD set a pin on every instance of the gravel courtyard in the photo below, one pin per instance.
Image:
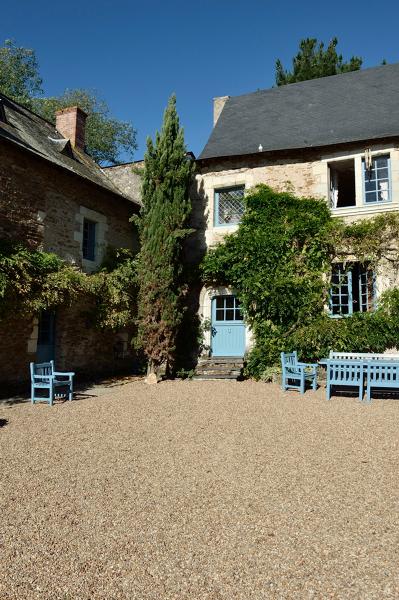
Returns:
(200, 490)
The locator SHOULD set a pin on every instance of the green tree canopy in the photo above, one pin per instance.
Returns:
(313, 61)
(106, 137)
(19, 73)
(162, 228)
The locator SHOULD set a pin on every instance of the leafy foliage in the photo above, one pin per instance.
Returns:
(162, 227)
(32, 281)
(106, 137)
(115, 290)
(276, 258)
(278, 262)
(370, 240)
(19, 73)
(313, 61)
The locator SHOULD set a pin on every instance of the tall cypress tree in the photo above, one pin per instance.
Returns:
(162, 228)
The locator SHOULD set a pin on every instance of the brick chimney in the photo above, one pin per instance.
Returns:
(218, 104)
(71, 123)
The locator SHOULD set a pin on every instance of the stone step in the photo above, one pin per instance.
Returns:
(219, 368)
(228, 360)
(205, 377)
(232, 372)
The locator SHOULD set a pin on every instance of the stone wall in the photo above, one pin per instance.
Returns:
(88, 351)
(127, 178)
(41, 205)
(305, 173)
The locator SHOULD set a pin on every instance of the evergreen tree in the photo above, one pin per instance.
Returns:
(313, 61)
(162, 228)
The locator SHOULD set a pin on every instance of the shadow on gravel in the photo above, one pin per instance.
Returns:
(3, 422)
(377, 394)
(84, 390)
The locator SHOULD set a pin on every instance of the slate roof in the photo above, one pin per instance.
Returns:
(33, 133)
(361, 105)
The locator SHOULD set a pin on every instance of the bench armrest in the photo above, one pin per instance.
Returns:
(307, 365)
(66, 374)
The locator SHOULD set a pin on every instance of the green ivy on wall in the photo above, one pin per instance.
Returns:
(279, 261)
(32, 281)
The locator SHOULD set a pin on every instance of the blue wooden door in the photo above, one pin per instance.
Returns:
(228, 329)
(46, 337)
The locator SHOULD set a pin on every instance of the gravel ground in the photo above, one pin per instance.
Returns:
(200, 490)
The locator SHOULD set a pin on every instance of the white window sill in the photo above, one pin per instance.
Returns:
(365, 208)
(233, 226)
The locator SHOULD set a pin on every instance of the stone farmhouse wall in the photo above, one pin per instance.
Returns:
(304, 173)
(127, 178)
(44, 206)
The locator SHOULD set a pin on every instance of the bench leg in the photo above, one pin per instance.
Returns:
(32, 394)
(361, 392)
(328, 391)
(302, 386)
(70, 391)
(314, 385)
(368, 394)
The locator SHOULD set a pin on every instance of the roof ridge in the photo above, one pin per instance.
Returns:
(343, 108)
(314, 79)
(24, 107)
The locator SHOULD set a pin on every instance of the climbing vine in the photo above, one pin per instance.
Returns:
(279, 262)
(32, 281)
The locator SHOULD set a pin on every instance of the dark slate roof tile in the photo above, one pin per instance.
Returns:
(26, 129)
(361, 105)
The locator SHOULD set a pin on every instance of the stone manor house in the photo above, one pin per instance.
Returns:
(54, 197)
(335, 138)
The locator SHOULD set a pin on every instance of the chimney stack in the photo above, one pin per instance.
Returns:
(71, 124)
(218, 104)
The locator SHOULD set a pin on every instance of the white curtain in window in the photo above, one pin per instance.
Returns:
(333, 189)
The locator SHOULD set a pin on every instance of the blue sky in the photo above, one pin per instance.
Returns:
(135, 54)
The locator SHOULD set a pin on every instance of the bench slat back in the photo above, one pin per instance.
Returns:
(43, 369)
(289, 361)
(345, 373)
(383, 374)
(363, 356)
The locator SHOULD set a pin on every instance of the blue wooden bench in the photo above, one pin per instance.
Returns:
(365, 356)
(44, 377)
(382, 375)
(344, 373)
(295, 374)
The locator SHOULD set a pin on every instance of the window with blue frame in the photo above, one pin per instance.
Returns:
(352, 289)
(228, 309)
(89, 240)
(229, 205)
(377, 180)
